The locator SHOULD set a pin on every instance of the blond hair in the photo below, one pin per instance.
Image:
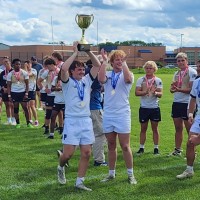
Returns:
(116, 53)
(152, 64)
(181, 55)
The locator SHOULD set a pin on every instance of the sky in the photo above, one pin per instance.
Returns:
(170, 22)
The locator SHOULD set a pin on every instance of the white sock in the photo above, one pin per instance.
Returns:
(130, 172)
(13, 119)
(142, 146)
(112, 172)
(156, 146)
(51, 134)
(189, 168)
(9, 119)
(62, 168)
(79, 180)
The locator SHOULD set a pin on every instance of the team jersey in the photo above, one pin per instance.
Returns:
(18, 82)
(59, 98)
(149, 101)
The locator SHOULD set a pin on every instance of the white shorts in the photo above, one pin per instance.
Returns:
(118, 125)
(78, 131)
(195, 128)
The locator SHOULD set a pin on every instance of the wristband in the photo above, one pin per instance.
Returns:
(9, 95)
(190, 115)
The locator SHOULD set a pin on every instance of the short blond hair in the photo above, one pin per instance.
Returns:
(116, 53)
(181, 55)
(152, 64)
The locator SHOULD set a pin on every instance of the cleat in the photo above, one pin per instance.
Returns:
(176, 152)
(61, 175)
(156, 151)
(140, 151)
(185, 174)
(83, 187)
(36, 123)
(108, 178)
(30, 125)
(50, 137)
(100, 163)
(18, 126)
(132, 180)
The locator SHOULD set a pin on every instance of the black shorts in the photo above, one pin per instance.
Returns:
(58, 107)
(31, 95)
(18, 97)
(179, 110)
(49, 101)
(146, 114)
(5, 97)
(43, 97)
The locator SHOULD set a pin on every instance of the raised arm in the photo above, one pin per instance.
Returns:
(128, 78)
(68, 62)
(102, 71)
(95, 63)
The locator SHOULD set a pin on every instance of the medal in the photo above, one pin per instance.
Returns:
(82, 103)
(18, 82)
(113, 92)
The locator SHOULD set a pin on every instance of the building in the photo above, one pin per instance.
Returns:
(136, 55)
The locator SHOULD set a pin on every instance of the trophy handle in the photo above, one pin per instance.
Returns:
(76, 18)
(92, 18)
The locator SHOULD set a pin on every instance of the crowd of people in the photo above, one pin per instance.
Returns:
(70, 93)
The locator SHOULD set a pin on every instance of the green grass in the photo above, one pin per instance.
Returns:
(28, 163)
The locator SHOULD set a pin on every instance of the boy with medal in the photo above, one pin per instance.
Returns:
(149, 88)
(78, 129)
(117, 114)
(181, 87)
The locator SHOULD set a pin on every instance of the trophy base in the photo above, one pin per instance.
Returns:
(83, 47)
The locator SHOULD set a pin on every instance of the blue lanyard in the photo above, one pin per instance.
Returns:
(80, 88)
(114, 79)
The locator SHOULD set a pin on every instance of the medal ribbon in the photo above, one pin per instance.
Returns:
(114, 79)
(180, 78)
(80, 88)
(149, 85)
(17, 75)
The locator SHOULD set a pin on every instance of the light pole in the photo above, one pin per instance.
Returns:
(181, 41)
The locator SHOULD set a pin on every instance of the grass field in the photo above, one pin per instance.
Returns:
(28, 164)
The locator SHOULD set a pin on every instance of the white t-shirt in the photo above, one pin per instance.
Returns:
(32, 79)
(44, 82)
(59, 98)
(74, 106)
(116, 102)
(195, 92)
(149, 101)
(18, 85)
(189, 77)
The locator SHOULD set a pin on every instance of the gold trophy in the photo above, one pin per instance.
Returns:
(84, 22)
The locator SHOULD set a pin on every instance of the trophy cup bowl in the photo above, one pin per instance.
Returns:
(84, 21)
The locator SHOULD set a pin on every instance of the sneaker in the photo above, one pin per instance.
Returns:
(176, 152)
(59, 153)
(132, 180)
(36, 123)
(18, 126)
(83, 187)
(14, 123)
(40, 109)
(156, 151)
(30, 125)
(46, 132)
(61, 176)
(140, 151)
(50, 137)
(108, 178)
(100, 163)
(185, 174)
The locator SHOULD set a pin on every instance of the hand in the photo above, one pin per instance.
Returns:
(75, 48)
(104, 55)
(194, 139)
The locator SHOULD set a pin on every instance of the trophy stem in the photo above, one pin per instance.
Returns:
(83, 40)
